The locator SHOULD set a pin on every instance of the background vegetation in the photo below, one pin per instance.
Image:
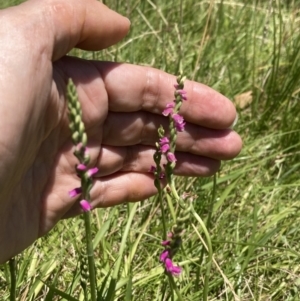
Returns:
(249, 51)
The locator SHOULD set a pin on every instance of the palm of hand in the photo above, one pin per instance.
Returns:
(120, 143)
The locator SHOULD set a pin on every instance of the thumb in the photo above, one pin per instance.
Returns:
(86, 24)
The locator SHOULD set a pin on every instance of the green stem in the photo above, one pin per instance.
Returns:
(162, 213)
(212, 201)
(175, 194)
(174, 287)
(210, 253)
(173, 188)
(13, 279)
(209, 217)
(123, 242)
(90, 254)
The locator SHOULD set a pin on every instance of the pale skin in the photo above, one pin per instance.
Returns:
(121, 105)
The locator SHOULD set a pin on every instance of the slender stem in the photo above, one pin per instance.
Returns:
(90, 254)
(162, 213)
(210, 253)
(13, 279)
(212, 201)
(174, 287)
(173, 188)
(175, 194)
(123, 241)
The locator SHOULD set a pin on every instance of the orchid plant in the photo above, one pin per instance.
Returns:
(166, 147)
(79, 138)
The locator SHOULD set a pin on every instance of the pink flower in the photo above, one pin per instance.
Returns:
(75, 192)
(81, 167)
(85, 205)
(171, 268)
(180, 127)
(92, 171)
(164, 144)
(169, 108)
(164, 255)
(178, 118)
(164, 148)
(162, 175)
(164, 140)
(182, 94)
(179, 122)
(152, 169)
(171, 157)
(165, 242)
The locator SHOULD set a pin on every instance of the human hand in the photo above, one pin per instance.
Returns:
(121, 105)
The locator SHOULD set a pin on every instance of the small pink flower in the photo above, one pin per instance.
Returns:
(165, 242)
(179, 122)
(162, 175)
(75, 192)
(85, 205)
(177, 118)
(171, 157)
(169, 108)
(164, 148)
(180, 127)
(164, 140)
(92, 171)
(164, 144)
(171, 268)
(164, 255)
(81, 167)
(170, 235)
(182, 94)
(152, 169)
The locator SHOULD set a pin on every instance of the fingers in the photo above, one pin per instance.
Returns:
(140, 158)
(132, 88)
(141, 128)
(123, 176)
(117, 189)
(135, 115)
(87, 24)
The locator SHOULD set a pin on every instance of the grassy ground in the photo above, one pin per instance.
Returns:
(249, 51)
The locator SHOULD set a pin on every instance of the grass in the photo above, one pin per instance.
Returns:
(249, 51)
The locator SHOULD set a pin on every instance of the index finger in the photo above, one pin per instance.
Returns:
(132, 88)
